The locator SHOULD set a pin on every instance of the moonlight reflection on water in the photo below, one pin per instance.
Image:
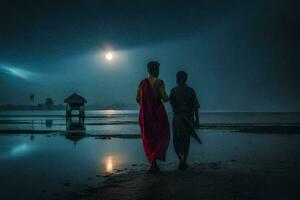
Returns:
(112, 162)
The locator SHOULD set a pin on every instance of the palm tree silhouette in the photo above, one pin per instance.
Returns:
(32, 100)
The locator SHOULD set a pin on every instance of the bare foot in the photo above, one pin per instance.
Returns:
(153, 167)
(182, 165)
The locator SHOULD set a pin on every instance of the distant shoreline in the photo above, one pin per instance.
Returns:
(92, 107)
(42, 107)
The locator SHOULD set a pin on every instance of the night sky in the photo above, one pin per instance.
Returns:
(240, 55)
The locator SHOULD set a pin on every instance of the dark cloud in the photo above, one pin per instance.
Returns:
(63, 27)
(241, 55)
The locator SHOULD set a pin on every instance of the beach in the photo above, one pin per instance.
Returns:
(243, 156)
(223, 180)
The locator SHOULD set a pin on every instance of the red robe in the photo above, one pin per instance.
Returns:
(153, 121)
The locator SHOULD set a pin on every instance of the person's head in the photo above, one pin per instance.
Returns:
(153, 68)
(181, 77)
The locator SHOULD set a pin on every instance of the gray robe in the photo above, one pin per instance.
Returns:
(184, 102)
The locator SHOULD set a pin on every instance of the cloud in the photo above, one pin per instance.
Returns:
(20, 73)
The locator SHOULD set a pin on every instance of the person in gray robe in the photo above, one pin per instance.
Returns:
(185, 107)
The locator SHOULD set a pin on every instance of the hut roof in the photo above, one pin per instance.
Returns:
(76, 99)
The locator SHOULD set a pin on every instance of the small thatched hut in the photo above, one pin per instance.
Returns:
(75, 102)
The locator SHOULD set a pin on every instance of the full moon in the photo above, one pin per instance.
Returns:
(109, 56)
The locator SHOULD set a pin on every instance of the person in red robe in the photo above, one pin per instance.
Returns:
(153, 119)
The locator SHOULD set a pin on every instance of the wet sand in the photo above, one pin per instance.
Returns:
(292, 128)
(224, 180)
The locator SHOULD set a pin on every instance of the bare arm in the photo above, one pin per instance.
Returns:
(137, 98)
(163, 93)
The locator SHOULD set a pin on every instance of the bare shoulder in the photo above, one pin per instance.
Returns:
(158, 82)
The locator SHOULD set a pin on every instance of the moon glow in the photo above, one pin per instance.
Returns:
(109, 56)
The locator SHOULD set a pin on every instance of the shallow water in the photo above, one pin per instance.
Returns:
(41, 166)
(96, 121)
(125, 121)
(50, 165)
